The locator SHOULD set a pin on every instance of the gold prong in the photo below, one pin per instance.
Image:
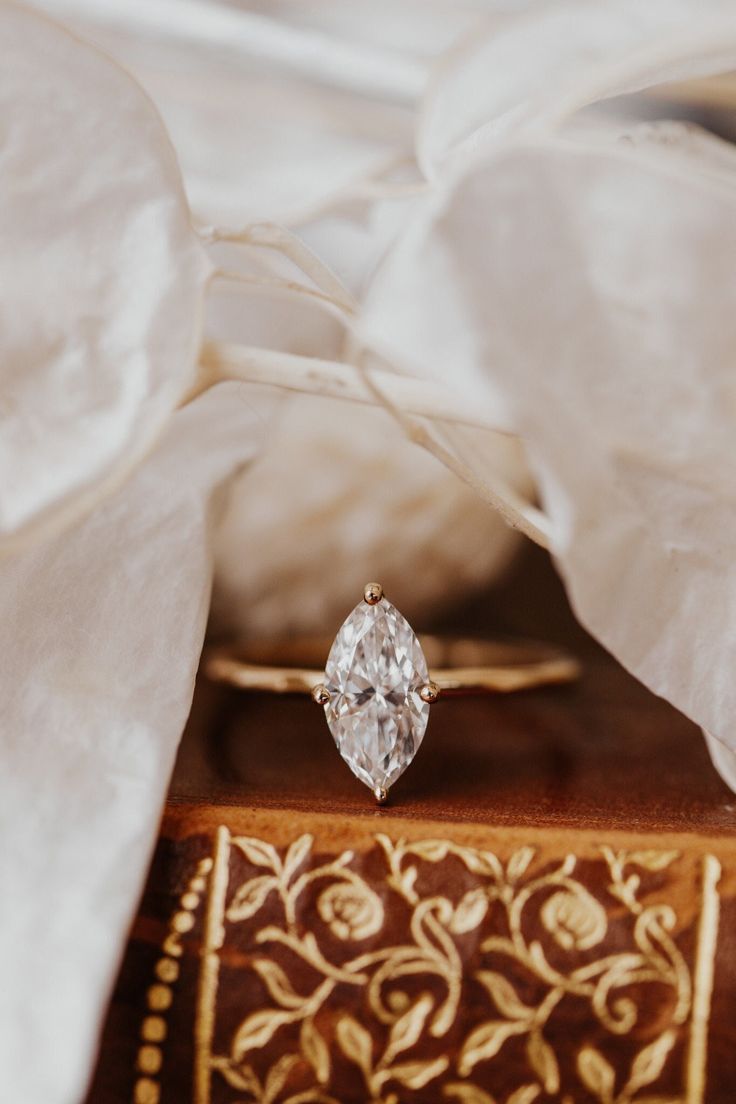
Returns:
(320, 694)
(380, 795)
(373, 593)
(429, 693)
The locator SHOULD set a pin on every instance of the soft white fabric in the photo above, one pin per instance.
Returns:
(265, 128)
(526, 75)
(596, 279)
(269, 120)
(103, 286)
(102, 276)
(350, 507)
(101, 631)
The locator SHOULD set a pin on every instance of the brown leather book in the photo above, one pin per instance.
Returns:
(544, 914)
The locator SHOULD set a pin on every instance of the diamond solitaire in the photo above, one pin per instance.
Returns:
(377, 692)
(375, 689)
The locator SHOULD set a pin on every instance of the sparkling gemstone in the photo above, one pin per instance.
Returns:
(374, 674)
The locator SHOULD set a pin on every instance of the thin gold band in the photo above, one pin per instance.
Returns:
(457, 665)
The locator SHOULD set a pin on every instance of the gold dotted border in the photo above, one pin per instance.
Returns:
(147, 1089)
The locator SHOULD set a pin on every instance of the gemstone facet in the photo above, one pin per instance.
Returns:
(374, 674)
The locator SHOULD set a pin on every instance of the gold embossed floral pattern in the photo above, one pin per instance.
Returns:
(428, 970)
(575, 919)
(352, 911)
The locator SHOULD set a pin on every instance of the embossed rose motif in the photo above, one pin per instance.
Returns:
(352, 910)
(575, 919)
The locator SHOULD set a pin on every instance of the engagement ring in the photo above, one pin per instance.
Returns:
(376, 688)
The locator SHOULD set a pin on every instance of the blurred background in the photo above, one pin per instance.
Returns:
(305, 116)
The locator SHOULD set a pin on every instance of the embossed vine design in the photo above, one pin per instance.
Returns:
(413, 988)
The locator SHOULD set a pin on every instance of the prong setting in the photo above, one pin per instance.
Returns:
(429, 693)
(321, 695)
(380, 795)
(373, 593)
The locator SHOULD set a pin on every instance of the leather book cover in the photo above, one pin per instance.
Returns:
(544, 914)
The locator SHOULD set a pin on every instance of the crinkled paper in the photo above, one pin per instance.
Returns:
(101, 631)
(102, 276)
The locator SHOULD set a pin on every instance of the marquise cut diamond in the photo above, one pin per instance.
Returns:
(374, 674)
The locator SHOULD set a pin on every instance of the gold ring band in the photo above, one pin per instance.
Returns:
(458, 665)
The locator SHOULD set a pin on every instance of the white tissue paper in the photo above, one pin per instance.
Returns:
(271, 116)
(102, 276)
(525, 75)
(596, 277)
(105, 599)
(102, 622)
(101, 631)
(306, 115)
